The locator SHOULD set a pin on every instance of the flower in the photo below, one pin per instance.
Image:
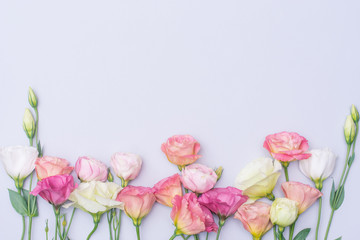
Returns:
(255, 217)
(29, 124)
(89, 169)
(223, 201)
(181, 150)
(354, 113)
(319, 166)
(18, 161)
(349, 130)
(198, 178)
(287, 146)
(50, 166)
(303, 194)
(210, 225)
(32, 98)
(55, 189)
(138, 202)
(283, 212)
(95, 197)
(188, 215)
(258, 178)
(167, 189)
(126, 165)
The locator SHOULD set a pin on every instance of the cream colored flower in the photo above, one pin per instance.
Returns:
(283, 212)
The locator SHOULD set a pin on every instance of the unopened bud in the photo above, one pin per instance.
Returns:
(349, 130)
(46, 226)
(219, 172)
(64, 222)
(32, 98)
(110, 176)
(29, 124)
(354, 113)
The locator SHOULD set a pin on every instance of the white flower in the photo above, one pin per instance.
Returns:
(18, 161)
(258, 178)
(349, 130)
(319, 166)
(283, 212)
(126, 165)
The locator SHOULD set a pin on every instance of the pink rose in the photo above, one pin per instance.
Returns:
(89, 169)
(287, 146)
(50, 166)
(198, 178)
(210, 225)
(181, 150)
(255, 217)
(55, 189)
(301, 193)
(187, 214)
(126, 165)
(138, 202)
(167, 189)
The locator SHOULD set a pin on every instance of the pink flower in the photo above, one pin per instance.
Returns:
(181, 150)
(55, 189)
(90, 169)
(287, 146)
(255, 217)
(50, 166)
(126, 165)
(223, 201)
(138, 202)
(198, 178)
(188, 215)
(167, 189)
(210, 225)
(301, 193)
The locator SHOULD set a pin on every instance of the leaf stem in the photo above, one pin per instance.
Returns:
(221, 224)
(318, 221)
(71, 218)
(137, 232)
(94, 229)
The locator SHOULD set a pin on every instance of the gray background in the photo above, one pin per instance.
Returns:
(124, 76)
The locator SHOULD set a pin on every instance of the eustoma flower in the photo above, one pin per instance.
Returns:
(256, 218)
(181, 150)
(259, 178)
(126, 166)
(198, 178)
(223, 202)
(283, 212)
(167, 189)
(89, 169)
(50, 166)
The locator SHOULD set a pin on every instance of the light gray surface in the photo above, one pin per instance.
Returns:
(124, 76)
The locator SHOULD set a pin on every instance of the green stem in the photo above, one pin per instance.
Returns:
(196, 237)
(207, 235)
(291, 231)
(94, 229)
(286, 173)
(23, 217)
(31, 142)
(318, 221)
(29, 229)
(118, 225)
(274, 231)
(36, 124)
(256, 238)
(173, 236)
(221, 224)
(329, 224)
(346, 164)
(67, 230)
(138, 232)
(280, 230)
(110, 218)
(57, 224)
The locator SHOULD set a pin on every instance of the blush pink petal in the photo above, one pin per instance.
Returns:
(50, 166)
(210, 225)
(167, 189)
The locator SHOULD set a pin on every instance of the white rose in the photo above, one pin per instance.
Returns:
(126, 165)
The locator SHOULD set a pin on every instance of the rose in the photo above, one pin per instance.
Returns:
(198, 178)
(50, 166)
(89, 169)
(55, 189)
(181, 150)
(255, 217)
(283, 212)
(303, 194)
(126, 166)
(138, 202)
(287, 146)
(19, 162)
(258, 178)
(167, 189)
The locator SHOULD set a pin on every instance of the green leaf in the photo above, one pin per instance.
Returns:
(39, 149)
(339, 197)
(33, 209)
(302, 234)
(339, 238)
(332, 195)
(351, 160)
(18, 202)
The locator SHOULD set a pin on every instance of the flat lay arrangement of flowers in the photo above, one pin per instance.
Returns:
(195, 203)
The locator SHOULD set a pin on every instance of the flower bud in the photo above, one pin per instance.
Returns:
(354, 113)
(110, 176)
(64, 222)
(32, 98)
(349, 130)
(219, 172)
(46, 226)
(283, 212)
(29, 124)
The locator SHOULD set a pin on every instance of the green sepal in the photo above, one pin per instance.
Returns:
(351, 159)
(302, 234)
(18, 202)
(33, 209)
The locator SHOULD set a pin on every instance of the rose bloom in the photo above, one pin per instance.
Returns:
(55, 189)
(283, 212)
(258, 178)
(188, 215)
(181, 150)
(167, 189)
(138, 202)
(89, 169)
(303, 194)
(126, 165)
(287, 146)
(95, 197)
(50, 166)
(255, 217)
(198, 178)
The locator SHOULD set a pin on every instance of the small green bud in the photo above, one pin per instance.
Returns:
(29, 124)
(32, 98)
(349, 130)
(46, 226)
(110, 176)
(219, 172)
(64, 222)
(354, 113)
